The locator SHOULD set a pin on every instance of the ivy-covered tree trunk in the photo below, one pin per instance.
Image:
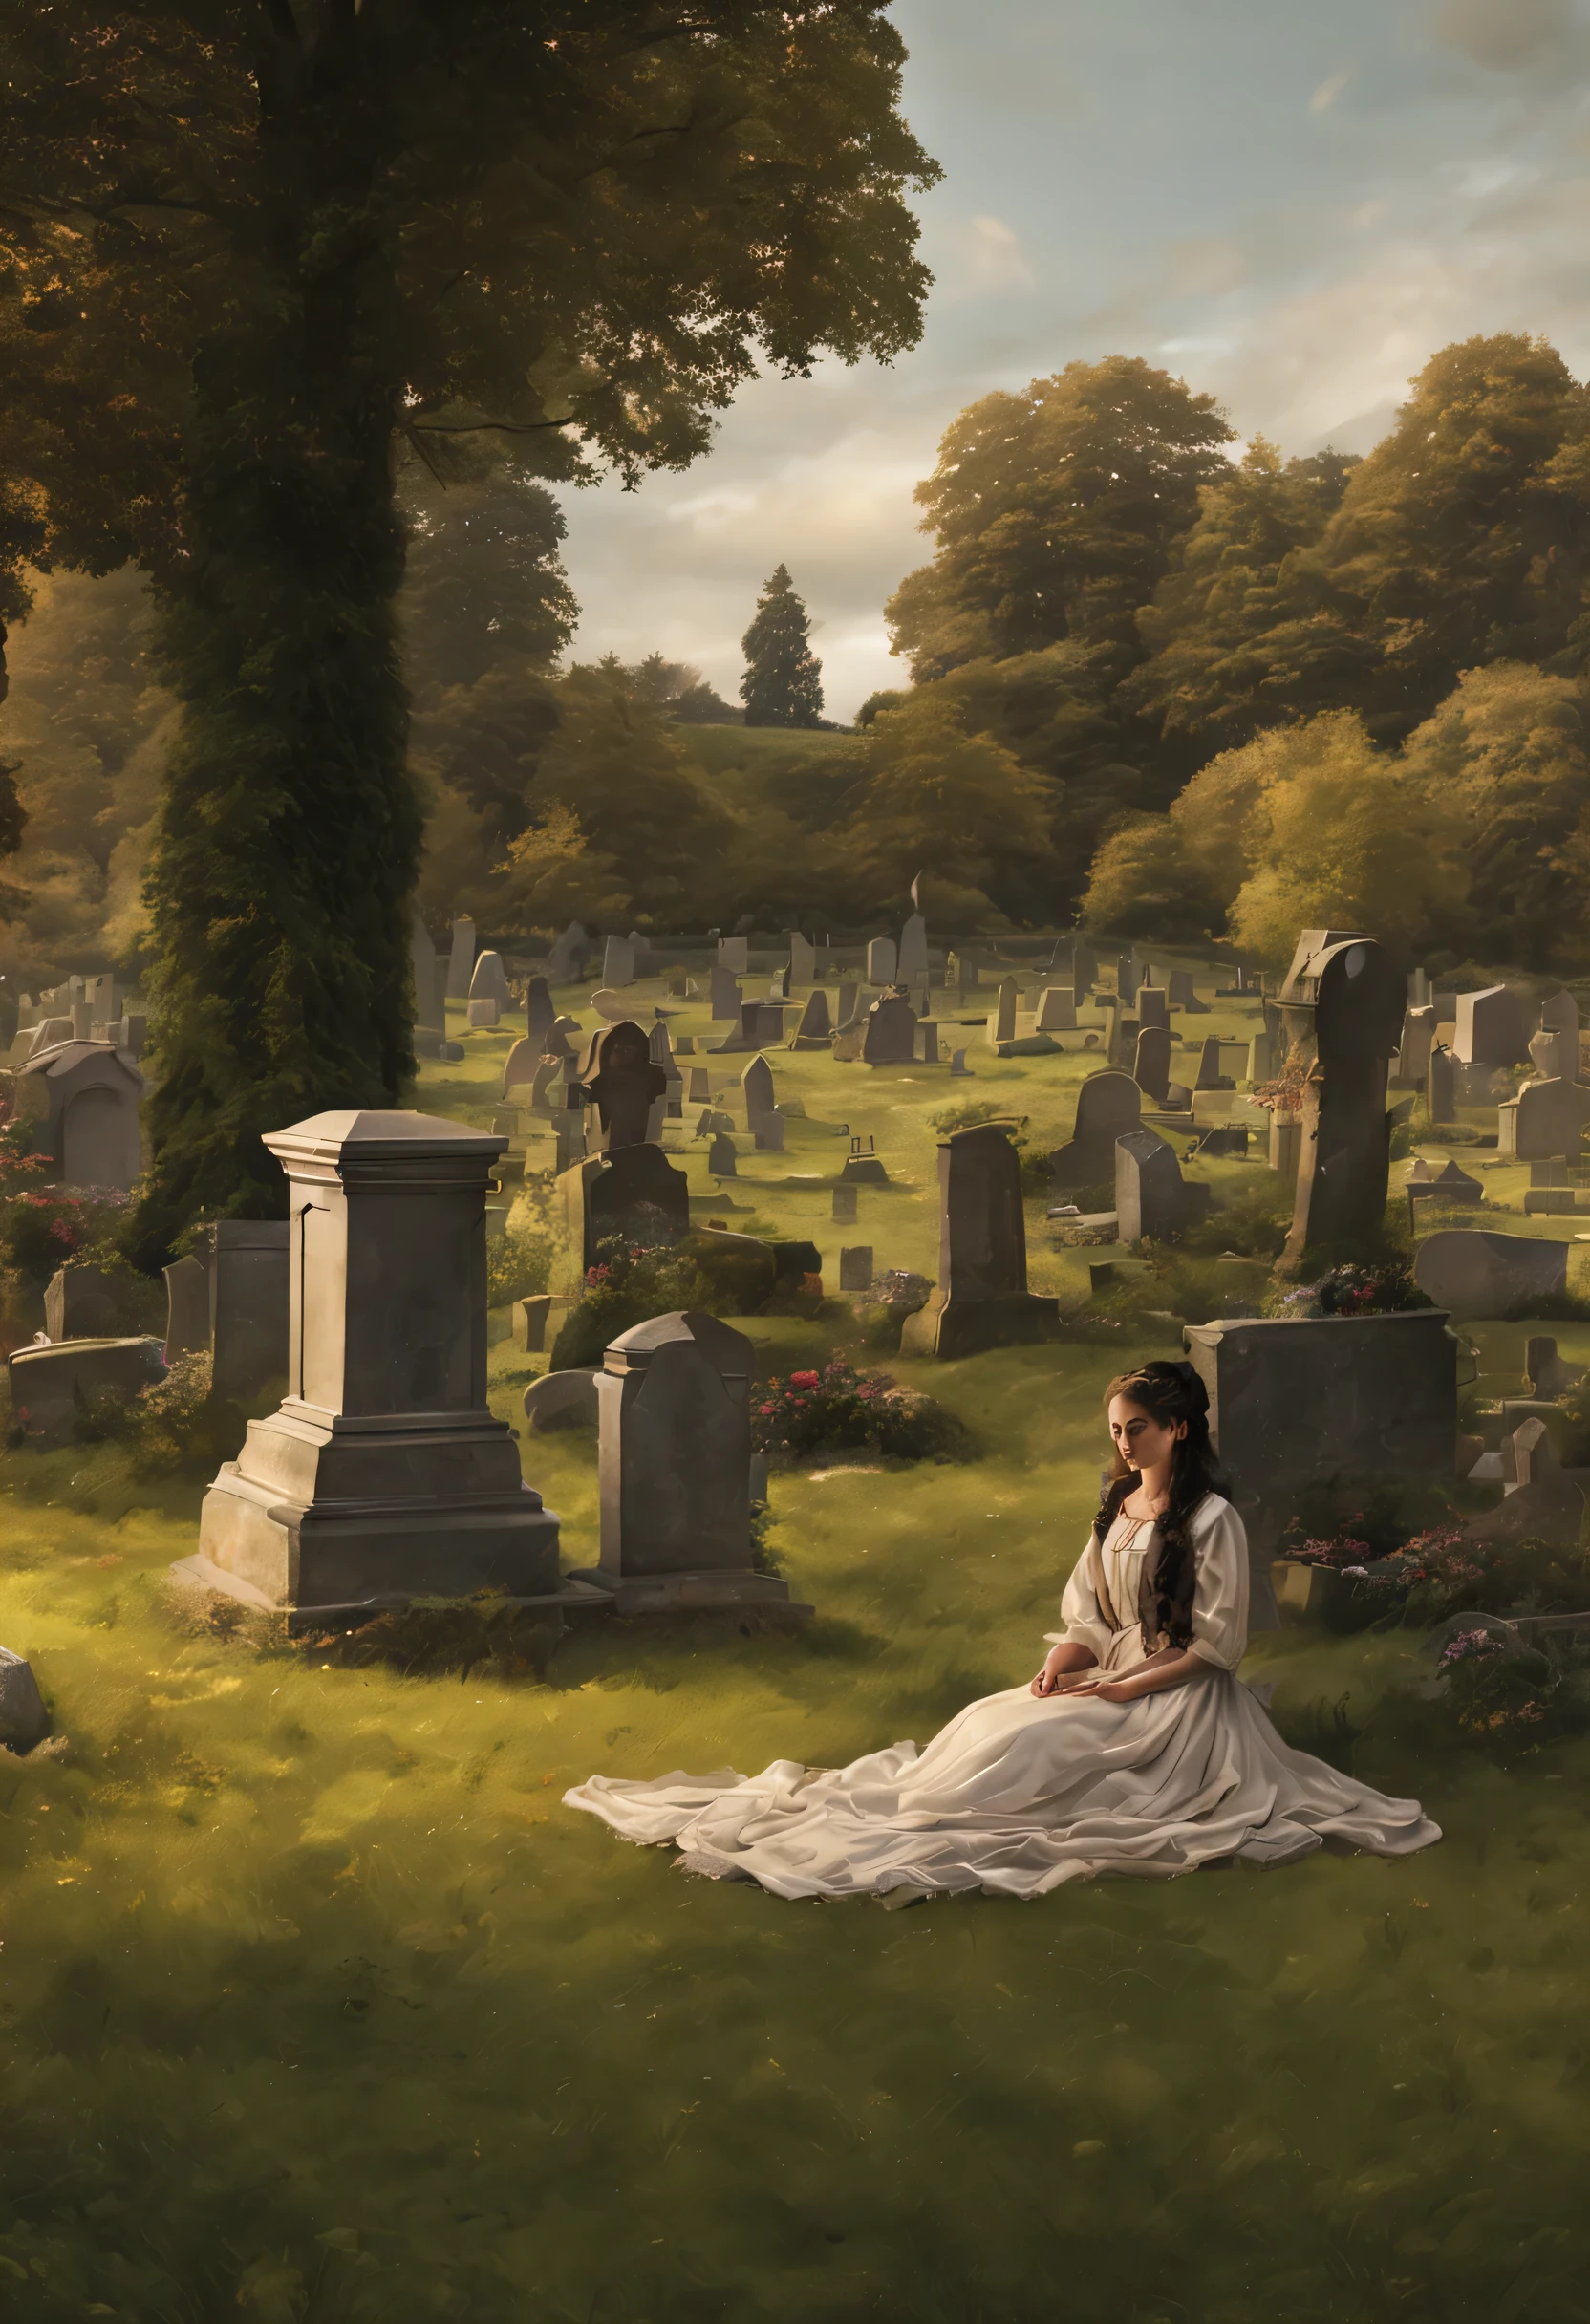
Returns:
(290, 835)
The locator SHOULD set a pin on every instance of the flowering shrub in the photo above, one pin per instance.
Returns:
(635, 1279)
(1359, 1287)
(1442, 1572)
(1503, 1693)
(841, 1409)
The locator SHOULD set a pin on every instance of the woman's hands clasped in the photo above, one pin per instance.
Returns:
(1071, 1669)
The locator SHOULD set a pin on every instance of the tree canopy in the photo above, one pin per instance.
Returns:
(271, 243)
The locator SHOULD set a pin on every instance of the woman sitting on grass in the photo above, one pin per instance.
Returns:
(1136, 1749)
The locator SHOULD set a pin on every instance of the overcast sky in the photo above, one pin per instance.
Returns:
(1291, 202)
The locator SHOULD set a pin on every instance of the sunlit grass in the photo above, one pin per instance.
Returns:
(315, 2004)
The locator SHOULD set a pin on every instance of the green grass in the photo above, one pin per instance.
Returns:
(315, 2004)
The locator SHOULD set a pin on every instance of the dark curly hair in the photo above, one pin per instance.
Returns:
(1168, 1393)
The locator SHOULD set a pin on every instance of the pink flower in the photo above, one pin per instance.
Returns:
(802, 1380)
(768, 1411)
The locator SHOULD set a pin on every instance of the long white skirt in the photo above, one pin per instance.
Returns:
(1019, 1794)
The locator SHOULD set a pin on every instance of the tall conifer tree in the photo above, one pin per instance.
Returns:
(783, 685)
(268, 240)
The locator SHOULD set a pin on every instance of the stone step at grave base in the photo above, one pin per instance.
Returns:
(197, 1577)
(708, 1591)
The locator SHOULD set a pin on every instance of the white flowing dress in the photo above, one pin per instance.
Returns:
(1021, 1793)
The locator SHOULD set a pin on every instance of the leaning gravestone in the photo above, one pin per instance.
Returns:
(1151, 1066)
(1109, 1106)
(489, 980)
(1342, 1009)
(1002, 1024)
(1480, 1276)
(675, 1462)
(982, 1298)
(1489, 1028)
(1057, 1010)
(383, 1477)
(814, 1030)
(1153, 1200)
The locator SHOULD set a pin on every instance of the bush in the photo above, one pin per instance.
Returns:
(516, 1265)
(634, 1279)
(176, 1424)
(1384, 1286)
(840, 1410)
(1442, 1572)
(1498, 1692)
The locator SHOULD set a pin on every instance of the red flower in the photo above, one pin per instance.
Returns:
(804, 1379)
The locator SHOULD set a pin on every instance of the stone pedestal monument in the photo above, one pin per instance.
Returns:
(382, 1476)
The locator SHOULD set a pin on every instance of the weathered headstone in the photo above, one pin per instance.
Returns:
(618, 962)
(814, 1030)
(1440, 1090)
(982, 1298)
(247, 1260)
(1002, 1024)
(675, 1467)
(1210, 1075)
(1153, 1200)
(1479, 1275)
(910, 965)
(384, 1476)
(1341, 1008)
(768, 1131)
(889, 1038)
(926, 1041)
(55, 1387)
(1123, 1041)
(1334, 1398)
(1184, 995)
(700, 1089)
(725, 996)
(1286, 1139)
(1153, 1006)
(460, 960)
(520, 1067)
(723, 1156)
(624, 1092)
(188, 1308)
(855, 1268)
(489, 980)
(1489, 1028)
(483, 1014)
(844, 1200)
(1151, 1066)
(882, 957)
(758, 1089)
(802, 958)
(1545, 1118)
(1084, 971)
(81, 1101)
(1109, 1106)
(569, 950)
(633, 1190)
(1057, 1010)
(540, 1013)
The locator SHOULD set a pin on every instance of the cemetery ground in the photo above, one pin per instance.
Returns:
(317, 2004)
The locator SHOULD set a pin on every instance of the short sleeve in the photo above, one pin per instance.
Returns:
(1221, 1591)
(1082, 1615)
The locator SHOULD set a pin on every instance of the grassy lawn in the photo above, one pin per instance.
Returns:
(315, 2004)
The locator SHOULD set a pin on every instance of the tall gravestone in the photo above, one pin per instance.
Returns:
(982, 1298)
(188, 1308)
(618, 961)
(889, 1038)
(814, 1030)
(1341, 1008)
(675, 1467)
(460, 960)
(1441, 1084)
(802, 958)
(1153, 1005)
(725, 996)
(623, 1091)
(1002, 1024)
(1109, 1106)
(383, 1477)
(1151, 1066)
(1125, 978)
(758, 1091)
(632, 1191)
(247, 1260)
(1153, 1200)
(489, 980)
(910, 965)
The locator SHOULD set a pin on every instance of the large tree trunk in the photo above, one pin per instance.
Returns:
(289, 833)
